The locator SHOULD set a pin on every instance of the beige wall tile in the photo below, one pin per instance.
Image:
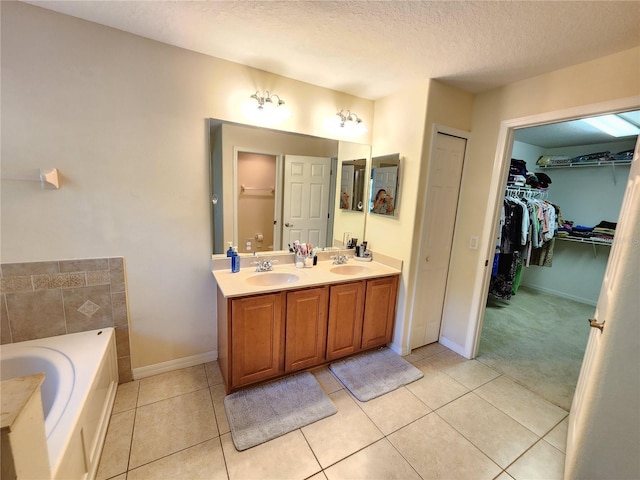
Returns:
(119, 309)
(116, 271)
(77, 279)
(29, 268)
(122, 342)
(75, 298)
(84, 265)
(124, 369)
(17, 284)
(98, 277)
(5, 330)
(35, 314)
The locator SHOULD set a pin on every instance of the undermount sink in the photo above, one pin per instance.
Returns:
(266, 279)
(349, 269)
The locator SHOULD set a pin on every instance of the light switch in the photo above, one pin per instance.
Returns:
(473, 242)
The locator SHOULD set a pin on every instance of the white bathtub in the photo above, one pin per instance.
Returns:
(81, 377)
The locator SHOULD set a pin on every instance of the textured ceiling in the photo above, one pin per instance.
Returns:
(372, 49)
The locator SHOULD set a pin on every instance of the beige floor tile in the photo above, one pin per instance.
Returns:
(171, 425)
(436, 388)
(327, 380)
(171, 384)
(338, 436)
(424, 351)
(394, 410)
(115, 453)
(217, 396)
(126, 396)
(527, 408)
(504, 476)
(200, 462)
(120, 477)
(541, 462)
(318, 476)
(437, 451)
(214, 376)
(558, 436)
(380, 460)
(499, 436)
(471, 374)
(285, 457)
(444, 359)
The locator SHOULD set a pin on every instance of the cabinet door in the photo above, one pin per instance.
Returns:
(346, 306)
(306, 328)
(257, 338)
(379, 312)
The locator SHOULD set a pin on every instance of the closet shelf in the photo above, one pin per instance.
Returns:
(603, 163)
(592, 241)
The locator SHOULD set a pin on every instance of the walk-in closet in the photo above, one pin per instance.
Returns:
(562, 201)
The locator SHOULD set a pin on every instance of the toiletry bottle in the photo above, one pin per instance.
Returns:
(235, 261)
(230, 250)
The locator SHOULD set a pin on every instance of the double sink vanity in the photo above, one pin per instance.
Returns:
(273, 323)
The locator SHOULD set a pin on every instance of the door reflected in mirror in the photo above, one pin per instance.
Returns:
(384, 187)
(352, 185)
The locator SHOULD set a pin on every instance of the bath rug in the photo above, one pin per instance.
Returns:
(264, 412)
(372, 374)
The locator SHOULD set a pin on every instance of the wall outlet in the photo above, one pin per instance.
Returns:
(473, 242)
(346, 238)
(248, 246)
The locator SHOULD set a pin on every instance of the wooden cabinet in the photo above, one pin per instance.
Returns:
(346, 308)
(379, 312)
(262, 337)
(306, 328)
(257, 338)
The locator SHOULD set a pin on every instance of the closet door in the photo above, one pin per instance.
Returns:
(443, 187)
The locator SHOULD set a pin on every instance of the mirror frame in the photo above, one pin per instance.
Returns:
(383, 205)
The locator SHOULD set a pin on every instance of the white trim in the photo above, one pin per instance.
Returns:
(169, 366)
(498, 181)
(451, 346)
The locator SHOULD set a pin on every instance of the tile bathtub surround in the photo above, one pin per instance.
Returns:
(479, 426)
(45, 299)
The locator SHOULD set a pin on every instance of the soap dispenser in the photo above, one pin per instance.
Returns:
(235, 261)
(230, 250)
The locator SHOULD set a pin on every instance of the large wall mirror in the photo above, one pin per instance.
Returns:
(352, 185)
(271, 187)
(384, 190)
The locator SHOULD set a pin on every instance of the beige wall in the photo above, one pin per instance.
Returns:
(125, 120)
(606, 79)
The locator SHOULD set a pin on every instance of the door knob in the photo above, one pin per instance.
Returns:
(288, 224)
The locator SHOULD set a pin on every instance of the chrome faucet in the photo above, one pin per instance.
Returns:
(340, 259)
(264, 265)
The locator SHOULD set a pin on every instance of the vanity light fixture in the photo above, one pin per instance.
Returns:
(350, 117)
(268, 100)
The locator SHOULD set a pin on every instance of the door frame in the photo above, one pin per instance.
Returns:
(277, 214)
(436, 129)
(496, 193)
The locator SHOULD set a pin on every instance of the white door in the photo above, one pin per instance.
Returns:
(443, 187)
(346, 187)
(604, 423)
(307, 181)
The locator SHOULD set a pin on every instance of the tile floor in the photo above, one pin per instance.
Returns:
(463, 420)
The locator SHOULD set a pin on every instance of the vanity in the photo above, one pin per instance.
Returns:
(271, 324)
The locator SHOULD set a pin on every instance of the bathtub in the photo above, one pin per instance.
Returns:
(81, 377)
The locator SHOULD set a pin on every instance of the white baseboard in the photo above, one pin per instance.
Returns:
(452, 346)
(586, 301)
(176, 364)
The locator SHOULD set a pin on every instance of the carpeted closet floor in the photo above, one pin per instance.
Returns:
(538, 340)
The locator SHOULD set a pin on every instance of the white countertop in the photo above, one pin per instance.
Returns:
(238, 284)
